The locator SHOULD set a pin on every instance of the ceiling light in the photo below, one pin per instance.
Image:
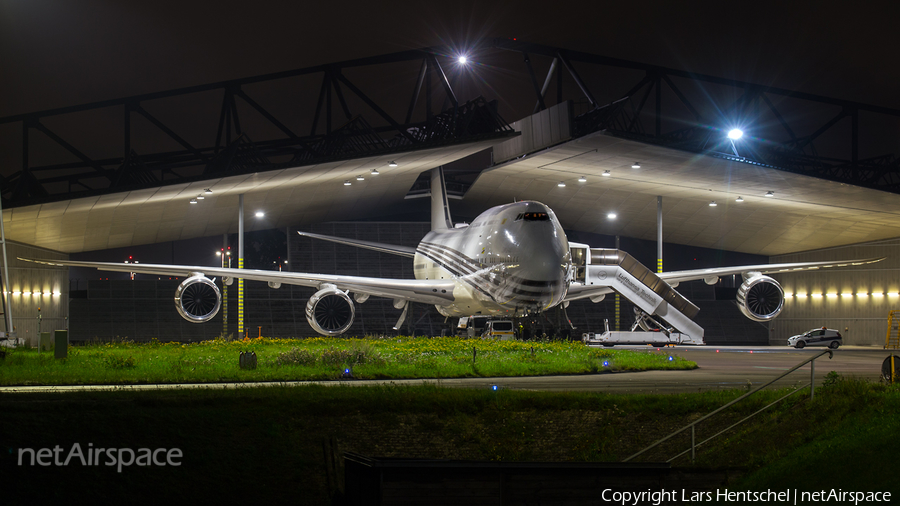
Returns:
(207, 191)
(375, 172)
(260, 214)
(712, 203)
(561, 184)
(193, 201)
(770, 194)
(582, 179)
(200, 197)
(606, 173)
(739, 199)
(462, 60)
(611, 216)
(635, 165)
(735, 134)
(360, 178)
(392, 164)
(347, 183)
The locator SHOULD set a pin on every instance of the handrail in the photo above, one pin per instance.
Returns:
(812, 393)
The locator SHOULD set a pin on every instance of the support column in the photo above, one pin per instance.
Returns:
(240, 303)
(659, 239)
(5, 286)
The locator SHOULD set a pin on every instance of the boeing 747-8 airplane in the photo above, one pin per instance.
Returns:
(512, 260)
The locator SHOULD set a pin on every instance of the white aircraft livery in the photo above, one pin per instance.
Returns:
(512, 260)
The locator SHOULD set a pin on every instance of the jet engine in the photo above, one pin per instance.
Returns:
(760, 297)
(197, 299)
(330, 311)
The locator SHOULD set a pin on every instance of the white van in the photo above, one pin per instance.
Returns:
(499, 329)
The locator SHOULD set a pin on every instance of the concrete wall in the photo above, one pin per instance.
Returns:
(36, 287)
(860, 314)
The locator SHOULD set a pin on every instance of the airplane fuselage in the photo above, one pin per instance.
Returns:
(511, 260)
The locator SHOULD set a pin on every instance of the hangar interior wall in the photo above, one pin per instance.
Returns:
(853, 300)
(143, 309)
(40, 294)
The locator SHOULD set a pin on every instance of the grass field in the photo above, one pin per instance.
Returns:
(320, 359)
(269, 445)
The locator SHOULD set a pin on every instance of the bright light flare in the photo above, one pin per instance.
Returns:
(462, 59)
(735, 134)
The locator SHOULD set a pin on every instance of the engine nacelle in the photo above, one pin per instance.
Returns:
(197, 299)
(330, 311)
(760, 298)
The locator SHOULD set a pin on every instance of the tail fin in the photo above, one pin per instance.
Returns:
(440, 210)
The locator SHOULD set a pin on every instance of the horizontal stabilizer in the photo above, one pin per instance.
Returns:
(404, 251)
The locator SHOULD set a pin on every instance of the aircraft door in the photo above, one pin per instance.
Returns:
(579, 259)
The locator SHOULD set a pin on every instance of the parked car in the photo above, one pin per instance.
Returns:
(817, 337)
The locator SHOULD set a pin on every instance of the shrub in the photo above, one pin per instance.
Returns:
(115, 362)
(295, 356)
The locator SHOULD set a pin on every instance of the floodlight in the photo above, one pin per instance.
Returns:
(582, 179)
(611, 216)
(636, 165)
(200, 197)
(463, 60)
(260, 214)
(193, 201)
(392, 164)
(607, 173)
(735, 134)
(347, 183)
(360, 178)
(770, 194)
(712, 203)
(739, 199)
(561, 184)
(207, 191)
(375, 172)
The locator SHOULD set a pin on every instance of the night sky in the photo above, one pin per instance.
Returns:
(60, 53)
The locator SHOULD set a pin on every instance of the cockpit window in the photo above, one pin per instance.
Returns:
(533, 217)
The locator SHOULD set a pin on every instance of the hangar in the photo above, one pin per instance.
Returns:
(790, 190)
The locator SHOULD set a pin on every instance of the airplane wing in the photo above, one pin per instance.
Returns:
(691, 275)
(438, 292)
(404, 251)
(580, 291)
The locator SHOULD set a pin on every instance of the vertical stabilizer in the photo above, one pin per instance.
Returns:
(440, 210)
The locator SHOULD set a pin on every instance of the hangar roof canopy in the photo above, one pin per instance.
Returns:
(805, 213)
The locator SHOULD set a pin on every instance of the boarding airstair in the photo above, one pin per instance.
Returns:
(620, 271)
